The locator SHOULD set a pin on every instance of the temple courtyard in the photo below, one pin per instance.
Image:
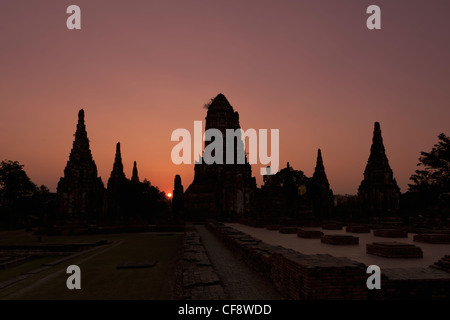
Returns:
(431, 252)
(220, 262)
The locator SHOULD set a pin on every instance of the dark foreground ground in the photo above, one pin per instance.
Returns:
(38, 278)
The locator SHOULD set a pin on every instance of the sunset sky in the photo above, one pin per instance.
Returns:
(141, 69)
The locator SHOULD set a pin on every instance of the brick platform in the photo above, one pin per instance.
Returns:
(414, 284)
(390, 233)
(273, 227)
(340, 239)
(310, 234)
(435, 238)
(288, 230)
(358, 229)
(331, 226)
(394, 250)
(443, 264)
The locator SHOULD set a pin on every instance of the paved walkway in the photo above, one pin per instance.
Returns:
(239, 280)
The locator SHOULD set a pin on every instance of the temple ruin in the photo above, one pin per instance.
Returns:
(80, 192)
(378, 193)
(221, 191)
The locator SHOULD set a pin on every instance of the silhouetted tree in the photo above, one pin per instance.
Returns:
(14, 182)
(432, 183)
(15, 190)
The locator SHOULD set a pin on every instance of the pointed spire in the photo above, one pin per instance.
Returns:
(81, 127)
(80, 150)
(118, 160)
(378, 192)
(177, 182)
(117, 171)
(177, 196)
(135, 177)
(319, 162)
(319, 172)
(81, 116)
(377, 141)
(322, 195)
(80, 178)
(377, 158)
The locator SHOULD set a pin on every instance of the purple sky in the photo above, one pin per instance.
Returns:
(141, 69)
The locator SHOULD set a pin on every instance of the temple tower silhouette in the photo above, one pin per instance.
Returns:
(378, 193)
(117, 189)
(80, 192)
(135, 177)
(178, 197)
(321, 194)
(221, 191)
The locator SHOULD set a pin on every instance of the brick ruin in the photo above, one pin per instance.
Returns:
(296, 275)
(435, 238)
(221, 191)
(390, 233)
(340, 239)
(178, 198)
(80, 192)
(394, 250)
(117, 188)
(309, 234)
(325, 277)
(358, 229)
(378, 193)
(82, 198)
(321, 194)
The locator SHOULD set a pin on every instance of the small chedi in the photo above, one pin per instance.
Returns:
(321, 194)
(117, 188)
(80, 192)
(135, 176)
(178, 198)
(378, 193)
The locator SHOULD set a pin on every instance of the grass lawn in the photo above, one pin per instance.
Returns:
(99, 277)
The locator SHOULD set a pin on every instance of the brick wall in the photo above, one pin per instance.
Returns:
(298, 276)
(324, 277)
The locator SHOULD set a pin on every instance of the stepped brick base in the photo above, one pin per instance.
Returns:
(358, 229)
(310, 234)
(288, 230)
(390, 233)
(394, 250)
(435, 238)
(338, 239)
(331, 227)
(443, 264)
